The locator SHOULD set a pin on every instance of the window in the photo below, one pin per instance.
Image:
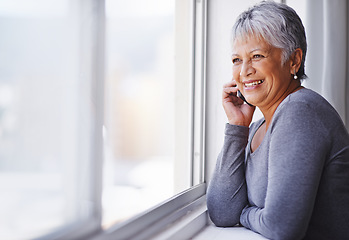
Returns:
(85, 78)
(146, 106)
(46, 119)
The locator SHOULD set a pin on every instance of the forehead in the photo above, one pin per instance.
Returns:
(248, 44)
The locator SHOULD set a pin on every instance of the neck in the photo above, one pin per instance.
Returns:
(268, 111)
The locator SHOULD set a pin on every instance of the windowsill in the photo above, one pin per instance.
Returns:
(215, 233)
(182, 217)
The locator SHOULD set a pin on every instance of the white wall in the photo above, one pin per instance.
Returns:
(221, 17)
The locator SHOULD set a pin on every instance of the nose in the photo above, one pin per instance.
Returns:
(246, 69)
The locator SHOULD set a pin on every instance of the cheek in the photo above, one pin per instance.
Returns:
(236, 72)
(267, 70)
(277, 73)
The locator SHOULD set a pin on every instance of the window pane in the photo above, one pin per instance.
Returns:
(147, 105)
(44, 121)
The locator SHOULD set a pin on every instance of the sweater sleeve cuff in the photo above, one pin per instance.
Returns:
(236, 130)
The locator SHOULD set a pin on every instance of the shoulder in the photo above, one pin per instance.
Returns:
(308, 98)
(305, 111)
(307, 105)
(308, 114)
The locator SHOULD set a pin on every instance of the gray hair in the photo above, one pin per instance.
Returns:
(276, 23)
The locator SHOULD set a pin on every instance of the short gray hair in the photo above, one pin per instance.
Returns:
(276, 23)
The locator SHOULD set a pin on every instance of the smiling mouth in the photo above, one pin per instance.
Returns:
(255, 83)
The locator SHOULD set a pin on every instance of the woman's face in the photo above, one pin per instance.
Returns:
(258, 70)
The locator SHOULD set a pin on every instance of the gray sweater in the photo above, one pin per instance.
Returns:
(295, 185)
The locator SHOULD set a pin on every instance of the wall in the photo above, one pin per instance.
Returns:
(221, 17)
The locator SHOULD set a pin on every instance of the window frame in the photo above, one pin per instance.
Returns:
(181, 216)
(199, 91)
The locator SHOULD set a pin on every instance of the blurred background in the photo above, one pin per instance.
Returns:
(47, 112)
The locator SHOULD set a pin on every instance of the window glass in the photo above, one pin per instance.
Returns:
(45, 124)
(147, 105)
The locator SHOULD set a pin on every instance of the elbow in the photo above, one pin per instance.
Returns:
(286, 231)
(221, 214)
(224, 208)
(222, 220)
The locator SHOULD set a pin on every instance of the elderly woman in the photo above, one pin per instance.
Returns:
(285, 176)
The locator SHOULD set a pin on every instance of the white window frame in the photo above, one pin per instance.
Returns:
(199, 91)
(179, 217)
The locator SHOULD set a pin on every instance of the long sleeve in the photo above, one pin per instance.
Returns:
(298, 148)
(226, 194)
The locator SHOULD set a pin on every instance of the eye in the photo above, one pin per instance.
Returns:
(236, 60)
(257, 56)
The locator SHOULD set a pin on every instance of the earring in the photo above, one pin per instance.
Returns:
(295, 77)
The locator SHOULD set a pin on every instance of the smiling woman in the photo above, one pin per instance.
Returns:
(261, 73)
(265, 179)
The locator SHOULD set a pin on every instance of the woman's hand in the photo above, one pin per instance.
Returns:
(238, 112)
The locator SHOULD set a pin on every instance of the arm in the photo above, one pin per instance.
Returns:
(297, 153)
(226, 194)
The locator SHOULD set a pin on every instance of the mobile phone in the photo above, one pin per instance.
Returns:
(239, 94)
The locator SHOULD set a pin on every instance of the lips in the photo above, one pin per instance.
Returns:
(253, 83)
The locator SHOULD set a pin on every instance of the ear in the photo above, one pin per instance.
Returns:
(296, 60)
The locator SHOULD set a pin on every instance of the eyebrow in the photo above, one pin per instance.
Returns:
(254, 50)
(257, 49)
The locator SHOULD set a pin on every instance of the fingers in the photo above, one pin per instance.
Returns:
(230, 84)
(237, 112)
(229, 96)
(230, 88)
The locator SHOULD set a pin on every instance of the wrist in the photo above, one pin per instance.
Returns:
(238, 123)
